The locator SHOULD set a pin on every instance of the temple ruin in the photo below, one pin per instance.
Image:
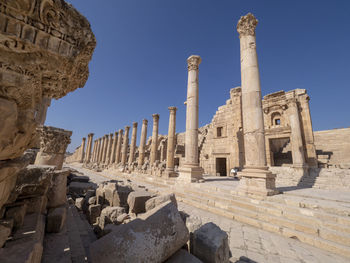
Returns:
(257, 176)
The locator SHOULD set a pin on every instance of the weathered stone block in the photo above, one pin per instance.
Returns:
(153, 237)
(94, 212)
(36, 204)
(155, 201)
(80, 189)
(109, 215)
(56, 219)
(5, 230)
(57, 194)
(210, 244)
(120, 196)
(137, 201)
(182, 256)
(17, 213)
(79, 203)
(122, 218)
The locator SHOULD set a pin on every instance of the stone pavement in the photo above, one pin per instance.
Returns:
(247, 243)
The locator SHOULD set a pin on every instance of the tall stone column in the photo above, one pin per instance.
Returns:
(133, 143)
(142, 143)
(296, 137)
(99, 142)
(93, 151)
(154, 144)
(256, 179)
(109, 148)
(103, 141)
(191, 171)
(170, 162)
(114, 146)
(119, 147)
(105, 149)
(53, 145)
(125, 145)
(82, 148)
(88, 150)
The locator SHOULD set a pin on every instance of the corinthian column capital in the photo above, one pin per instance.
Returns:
(193, 62)
(246, 25)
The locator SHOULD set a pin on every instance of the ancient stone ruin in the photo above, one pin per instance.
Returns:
(254, 185)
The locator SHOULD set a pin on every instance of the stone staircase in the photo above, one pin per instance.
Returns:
(321, 223)
(71, 245)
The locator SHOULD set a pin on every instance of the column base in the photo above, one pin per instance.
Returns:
(257, 182)
(188, 174)
(170, 173)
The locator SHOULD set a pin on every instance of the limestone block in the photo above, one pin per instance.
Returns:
(94, 212)
(120, 196)
(137, 201)
(5, 230)
(155, 201)
(79, 203)
(27, 242)
(122, 218)
(56, 219)
(210, 244)
(109, 193)
(17, 213)
(57, 194)
(109, 215)
(153, 237)
(80, 189)
(182, 256)
(100, 194)
(36, 204)
(80, 178)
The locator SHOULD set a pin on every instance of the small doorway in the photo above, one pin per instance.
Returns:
(221, 166)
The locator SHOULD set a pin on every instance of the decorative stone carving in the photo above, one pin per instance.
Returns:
(45, 48)
(246, 25)
(53, 145)
(193, 62)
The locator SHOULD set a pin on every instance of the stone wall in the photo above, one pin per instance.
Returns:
(333, 147)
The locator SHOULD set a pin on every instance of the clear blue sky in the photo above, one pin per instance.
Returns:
(139, 64)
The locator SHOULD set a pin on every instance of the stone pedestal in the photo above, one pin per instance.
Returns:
(119, 147)
(125, 145)
(191, 171)
(53, 145)
(142, 143)
(255, 177)
(154, 145)
(170, 162)
(133, 143)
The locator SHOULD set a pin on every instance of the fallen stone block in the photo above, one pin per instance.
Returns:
(17, 213)
(153, 237)
(27, 243)
(92, 200)
(155, 201)
(94, 212)
(109, 215)
(122, 218)
(137, 201)
(36, 204)
(80, 178)
(120, 196)
(182, 256)
(210, 244)
(56, 219)
(100, 194)
(80, 189)
(57, 194)
(79, 203)
(5, 230)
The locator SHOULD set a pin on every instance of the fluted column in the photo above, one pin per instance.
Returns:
(119, 147)
(154, 145)
(133, 143)
(82, 148)
(89, 146)
(125, 145)
(256, 179)
(170, 162)
(114, 146)
(296, 136)
(142, 143)
(191, 171)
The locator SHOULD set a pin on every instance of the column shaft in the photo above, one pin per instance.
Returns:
(154, 144)
(170, 162)
(81, 158)
(142, 143)
(112, 159)
(119, 147)
(133, 143)
(125, 145)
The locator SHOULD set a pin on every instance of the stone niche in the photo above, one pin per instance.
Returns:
(53, 145)
(45, 48)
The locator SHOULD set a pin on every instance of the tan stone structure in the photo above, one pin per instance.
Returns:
(98, 153)
(119, 147)
(88, 148)
(109, 148)
(125, 145)
(133, 143)
(154, 145)
(170, 161)
(114, 147)
(53, 145)
(82, 150)
(191, 171)
(142, 146)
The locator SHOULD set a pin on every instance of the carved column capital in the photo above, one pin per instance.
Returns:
(53, 140)
(134, 124)
(172, 109)
(144, 121)
(193, 62)
(155, 117)
(246, 25)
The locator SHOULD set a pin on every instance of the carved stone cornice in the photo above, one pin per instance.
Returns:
(54, 140)
(246, 25)
(193, 62)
